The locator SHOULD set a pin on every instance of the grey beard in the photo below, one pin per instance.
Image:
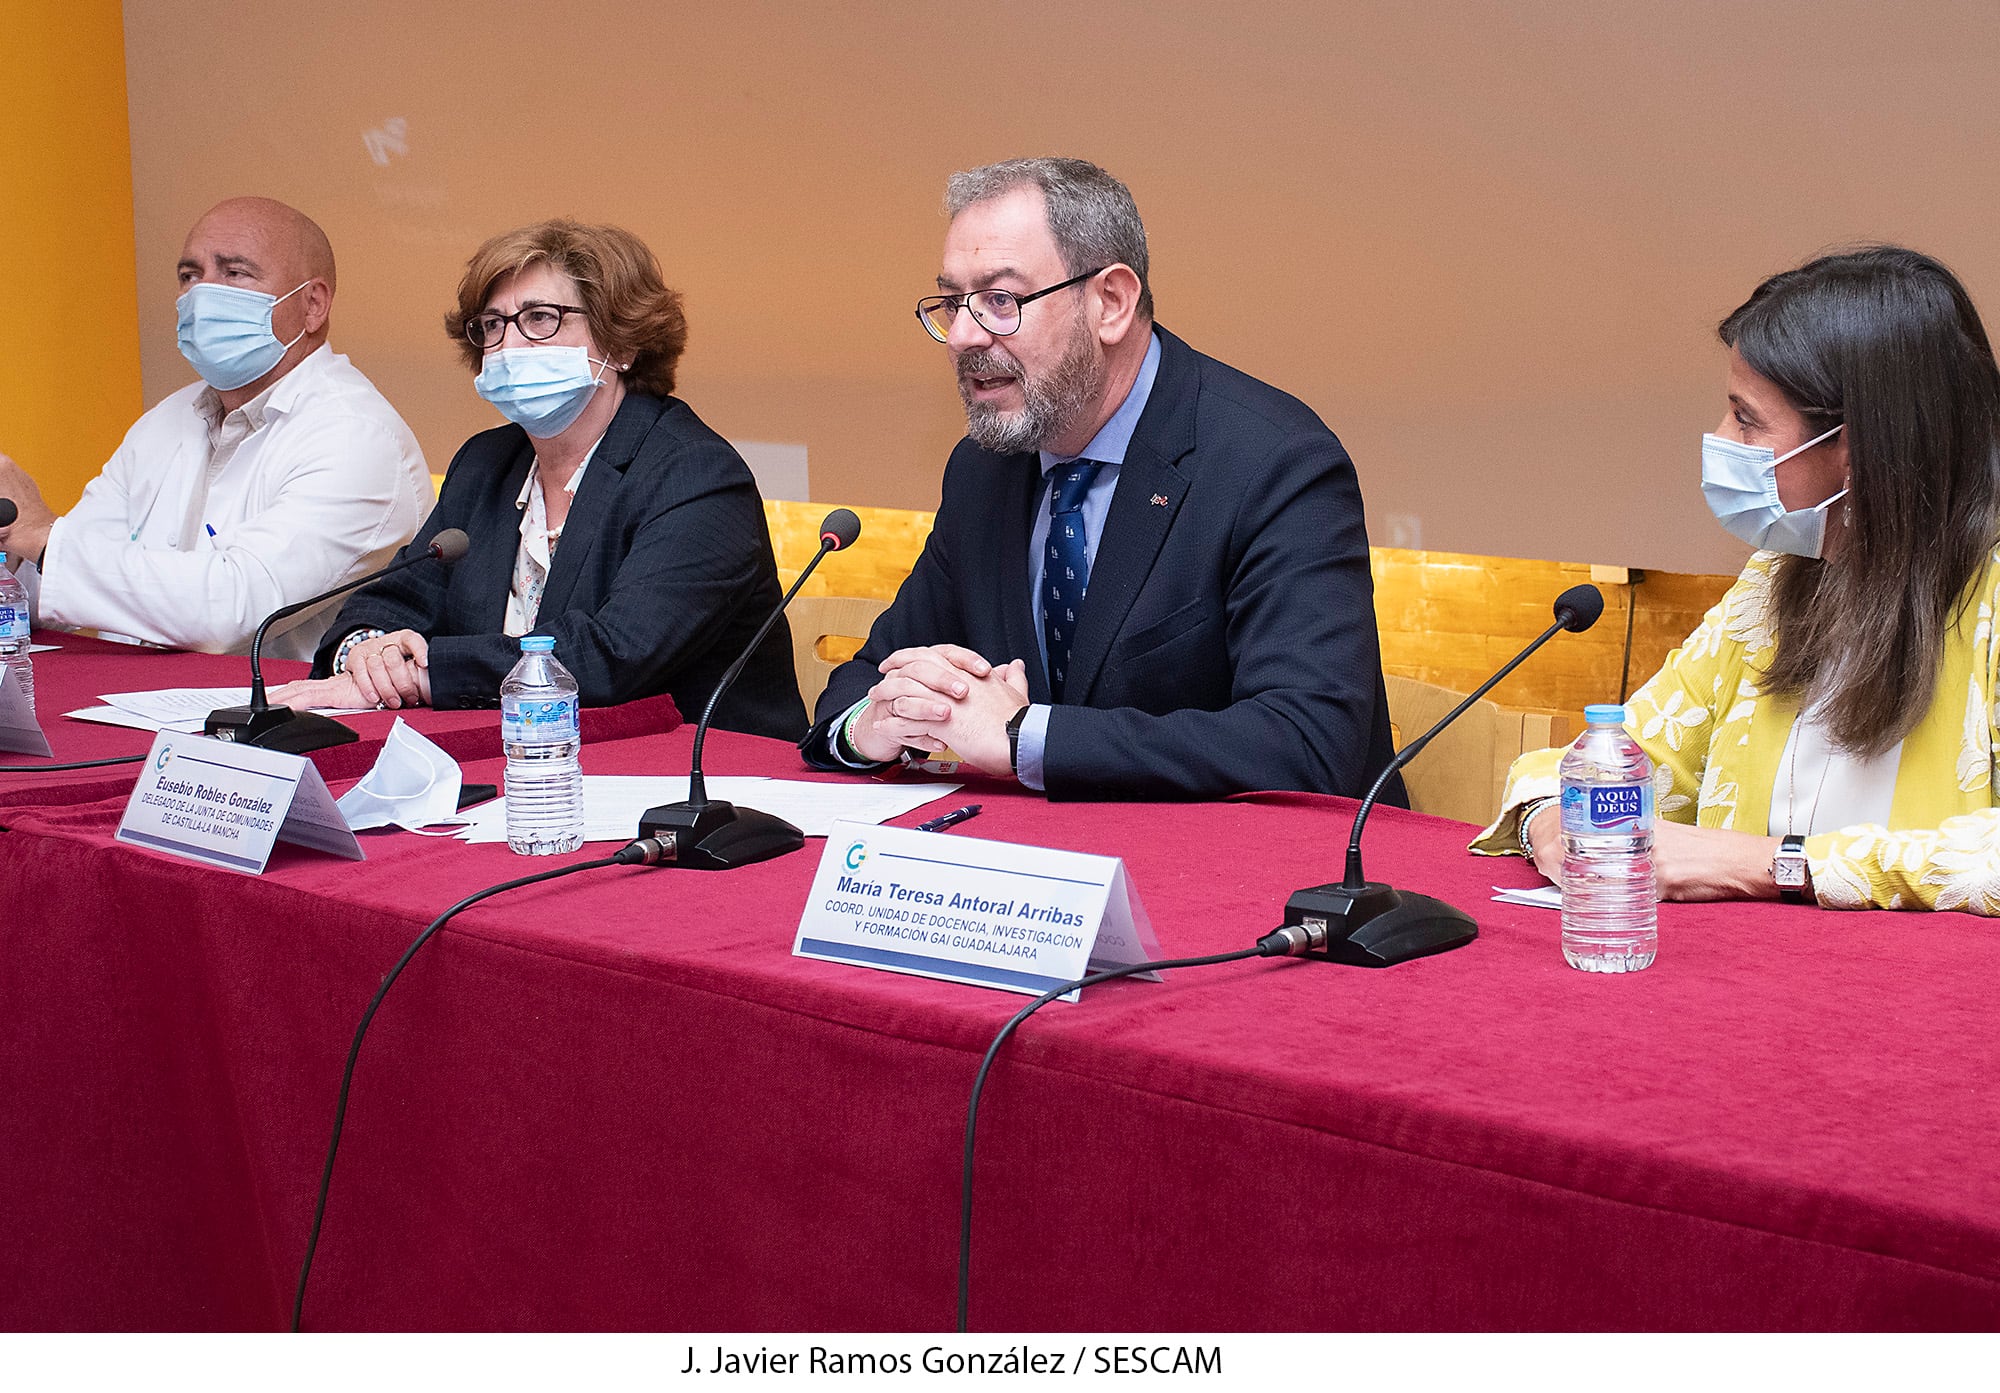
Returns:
(1052, 403)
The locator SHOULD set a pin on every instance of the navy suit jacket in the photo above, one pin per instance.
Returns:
(663, 573)
(1227, 641)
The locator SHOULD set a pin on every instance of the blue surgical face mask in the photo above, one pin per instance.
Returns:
(1740, 483)
(225, 332)
(541, 388)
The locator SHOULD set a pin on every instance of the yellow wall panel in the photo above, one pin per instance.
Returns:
(69, 322)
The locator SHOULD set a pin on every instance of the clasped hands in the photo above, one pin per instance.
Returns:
(391, 671)
(942, 697)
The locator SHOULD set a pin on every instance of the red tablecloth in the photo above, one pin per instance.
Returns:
(83, 670)
(618, 1101)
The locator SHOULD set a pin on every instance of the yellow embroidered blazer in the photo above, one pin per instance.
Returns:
(1715, 742)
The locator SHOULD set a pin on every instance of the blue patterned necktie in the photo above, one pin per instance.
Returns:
(1065, 566)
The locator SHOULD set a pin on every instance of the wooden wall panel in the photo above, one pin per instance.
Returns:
(1452, 619)
(873, 568)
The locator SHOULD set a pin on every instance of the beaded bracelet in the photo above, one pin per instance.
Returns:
(347, 646)
(1528, 815)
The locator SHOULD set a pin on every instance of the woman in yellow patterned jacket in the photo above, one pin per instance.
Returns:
(1830, 730)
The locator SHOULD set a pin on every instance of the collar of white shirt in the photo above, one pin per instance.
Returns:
(275, 400)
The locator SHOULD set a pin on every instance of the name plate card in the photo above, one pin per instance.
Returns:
(227, 805)
(20, 732)
(990, 914)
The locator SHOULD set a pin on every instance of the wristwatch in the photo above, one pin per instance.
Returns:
(1014, 741)
(1789, 869)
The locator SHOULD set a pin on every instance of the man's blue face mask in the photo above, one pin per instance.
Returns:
(225, 332)
(1740, 483)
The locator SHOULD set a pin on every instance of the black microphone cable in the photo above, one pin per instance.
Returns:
(1631, 610)
(1277, 944)
(644, 852)
(59, 768)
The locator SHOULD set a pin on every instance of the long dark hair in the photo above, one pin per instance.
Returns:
(1886, 341)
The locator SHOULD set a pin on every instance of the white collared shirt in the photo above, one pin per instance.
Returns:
(1821, 788)
(537, 551)
(202, 524)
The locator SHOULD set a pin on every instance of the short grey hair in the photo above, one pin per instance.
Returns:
(1091, 214)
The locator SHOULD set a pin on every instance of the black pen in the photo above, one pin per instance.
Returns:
(950, 819)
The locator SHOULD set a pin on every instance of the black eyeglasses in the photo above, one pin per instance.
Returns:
(536, 322)
(996, 311)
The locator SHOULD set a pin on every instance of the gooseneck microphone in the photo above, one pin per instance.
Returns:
(8, 512)
(704, 834)
(296, 732)
(1366, 923)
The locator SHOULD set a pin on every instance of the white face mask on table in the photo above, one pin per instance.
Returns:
(413, 785)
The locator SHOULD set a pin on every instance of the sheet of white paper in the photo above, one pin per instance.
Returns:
(112, 716)
(187, 708)
(813, 808)
(612, 803)
(1542, 897)
(43, 647)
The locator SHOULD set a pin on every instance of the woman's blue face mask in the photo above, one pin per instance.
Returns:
(1740, 483)
(541, 388)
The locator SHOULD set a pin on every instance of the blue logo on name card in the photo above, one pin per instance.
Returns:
(856, 854)
(166, 753)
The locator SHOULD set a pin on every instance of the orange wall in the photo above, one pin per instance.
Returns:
(1487, 241)
(69, 320)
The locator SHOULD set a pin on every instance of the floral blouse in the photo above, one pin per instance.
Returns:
(1715, 743)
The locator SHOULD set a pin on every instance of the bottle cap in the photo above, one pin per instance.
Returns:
(1606, 715)
(538, 643)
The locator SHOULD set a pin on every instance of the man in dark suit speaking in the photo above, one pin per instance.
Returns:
(1149, 574)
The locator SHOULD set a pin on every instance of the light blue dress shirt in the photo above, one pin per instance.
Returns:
(1108, 448)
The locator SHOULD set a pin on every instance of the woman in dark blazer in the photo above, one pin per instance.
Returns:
(606, 515)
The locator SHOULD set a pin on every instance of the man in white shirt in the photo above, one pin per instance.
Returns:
(282, 474)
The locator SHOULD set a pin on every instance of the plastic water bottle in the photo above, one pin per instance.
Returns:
(538, 727)
(1609, 909)
(14, 630)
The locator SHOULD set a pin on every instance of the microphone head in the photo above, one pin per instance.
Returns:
(452, 544)
(8, 512)
(1578, 607)
(840, 529)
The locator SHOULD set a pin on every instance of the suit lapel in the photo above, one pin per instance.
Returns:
(1143, 507)
(485, 578)
(592, 508)
(1022, 477)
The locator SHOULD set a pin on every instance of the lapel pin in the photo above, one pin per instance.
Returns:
(1159, 500)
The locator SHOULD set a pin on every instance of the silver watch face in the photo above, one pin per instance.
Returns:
(1788, 868)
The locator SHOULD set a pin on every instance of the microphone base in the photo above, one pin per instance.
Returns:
(277, 728)
(717, 836)
(1377, 925)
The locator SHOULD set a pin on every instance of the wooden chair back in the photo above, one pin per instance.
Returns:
(826, 631)
(1461, 773)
